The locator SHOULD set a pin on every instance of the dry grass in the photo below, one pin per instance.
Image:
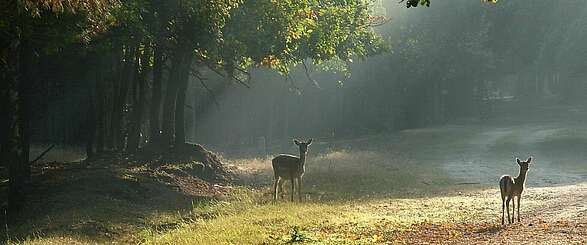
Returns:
(431, 185)
(352, 197)
(346, 175)
(369, 221)
(434, 186)
(329, 223)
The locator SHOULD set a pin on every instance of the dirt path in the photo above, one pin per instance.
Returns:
(554, 205)
(481, 155)
(550, 215)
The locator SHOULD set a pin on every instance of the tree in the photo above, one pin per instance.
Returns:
(231, 37)
(29, 28)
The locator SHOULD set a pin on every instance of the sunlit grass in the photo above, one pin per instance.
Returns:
(250, 219)
(345, 175)
(428, 177)
(352, 198)
(359, 197)
(245, 221)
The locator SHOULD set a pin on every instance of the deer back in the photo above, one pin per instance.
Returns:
(287, 165)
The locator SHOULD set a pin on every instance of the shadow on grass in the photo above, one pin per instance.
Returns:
(96, 203)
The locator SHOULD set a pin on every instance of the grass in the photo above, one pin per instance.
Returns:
(342, 175)
(370, 197)
(349, 222)
(426, 179)
(352, 198)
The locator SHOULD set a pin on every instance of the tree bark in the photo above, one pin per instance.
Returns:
(180, 102)
(91, 124)
(14, 149)
(179, 67)
(286, 143)
(27, 75)
(169, 107)
(138, 101)
(100, 120)
(126, 76)
(116, 65)
(154, 121)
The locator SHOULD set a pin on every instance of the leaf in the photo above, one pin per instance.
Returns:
(354, 237)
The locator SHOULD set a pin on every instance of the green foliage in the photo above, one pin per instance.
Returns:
(281, 34)
(297, 235)
(415, 3)
(223, 34)
(48, 25)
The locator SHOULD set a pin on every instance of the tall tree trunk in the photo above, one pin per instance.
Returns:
(286, 143)
(91, 126)
(180, 102)
(27, 74)
(116, 65)
(154, 122)
(133, 129)
(100, 105)
(14, 149)
(120, 100)
(169, 110)
(173, 84)
(141, 67)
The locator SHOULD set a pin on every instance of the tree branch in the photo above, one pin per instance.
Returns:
(42, 154)
(242, 82)
(292, 84)
(210, 91)
(310, 77)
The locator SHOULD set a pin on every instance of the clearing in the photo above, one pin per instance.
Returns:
(434, 185)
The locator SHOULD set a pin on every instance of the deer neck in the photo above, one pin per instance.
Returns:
(302, 158)
(521, 179)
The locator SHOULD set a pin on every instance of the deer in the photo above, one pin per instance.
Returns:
(513, 187)
(289, 167)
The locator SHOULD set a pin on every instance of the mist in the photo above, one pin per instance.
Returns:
(278, 122)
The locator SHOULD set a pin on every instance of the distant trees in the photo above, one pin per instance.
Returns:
(455, 61)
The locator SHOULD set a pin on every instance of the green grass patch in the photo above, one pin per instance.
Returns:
(250, 219)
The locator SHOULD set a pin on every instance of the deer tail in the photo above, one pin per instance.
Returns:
(503, 186)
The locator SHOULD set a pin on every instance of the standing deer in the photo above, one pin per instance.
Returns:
(512, 187)
(288, 167)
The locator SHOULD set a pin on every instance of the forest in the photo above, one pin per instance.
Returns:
(168, 121)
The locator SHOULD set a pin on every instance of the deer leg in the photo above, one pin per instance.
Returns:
(507, 205)
(293, 184)
(275, 185)
(513, 209)
(281, 188)
(300, 189)
(502, 211)
(519, 197)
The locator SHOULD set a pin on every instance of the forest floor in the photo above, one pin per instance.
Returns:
(433, 185)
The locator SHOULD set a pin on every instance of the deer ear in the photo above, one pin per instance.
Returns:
(529, 160)
(296, 142)
(310, 142)
(518, 160)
